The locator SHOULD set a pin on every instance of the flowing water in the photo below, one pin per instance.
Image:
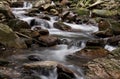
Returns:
(57, 53)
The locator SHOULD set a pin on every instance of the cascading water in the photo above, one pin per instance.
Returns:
(58, 52)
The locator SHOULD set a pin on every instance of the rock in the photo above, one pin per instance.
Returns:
(34, 34)
(54, 12)
(88, 54)
(17, 4)
(3, 62)
(105, 13)
(48, 40)
(63, 76)
(43, 32)
(83, 11)
(34, 58)
(104, 34)
(40, 22)
(96, 42)
(39, 3)
(8, 73)
(33, 10)
(103, 68)
(115, 54)
(114, 40)
(62, 26)
(68, 16)
(17, 24)
(103, 24)
(6, 10)
(9, 38)
(115, 26)
(45, 67)
(2, 47)
(44, 16)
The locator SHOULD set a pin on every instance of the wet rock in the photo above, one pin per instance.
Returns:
(88, 54)
(43, 32)
(34, 58)
(40, 22)
(68, 16)
(44, 16)
(96, 42)
(104, 34)
(103, 68)
(45, 67)
(9, 38)
(17, 4)
(17, 24)
(48, 40)
(6, 10)
(62, 26)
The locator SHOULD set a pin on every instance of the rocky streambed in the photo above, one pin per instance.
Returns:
(47, 39)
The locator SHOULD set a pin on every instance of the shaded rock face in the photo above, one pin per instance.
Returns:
(62, 26)
(9, 38)
(88, 54)
(103, 68)
(45, 67)
(17, 4)
(17, 24)
(104, 34)
(96, 42)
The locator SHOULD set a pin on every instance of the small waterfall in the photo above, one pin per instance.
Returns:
(27, 5)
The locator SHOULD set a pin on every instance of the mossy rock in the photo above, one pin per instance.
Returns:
(83, 11)
(9, 38)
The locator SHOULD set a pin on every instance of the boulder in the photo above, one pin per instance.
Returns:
(62, 26)
(103, 68)
(44, 67)
(48, 40)
(17, 24)
(9, 38)
(88, 54)
(6, 10)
